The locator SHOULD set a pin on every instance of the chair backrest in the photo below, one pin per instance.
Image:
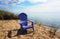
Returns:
(23, 17)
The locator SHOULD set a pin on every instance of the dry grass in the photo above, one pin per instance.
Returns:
(40, 31)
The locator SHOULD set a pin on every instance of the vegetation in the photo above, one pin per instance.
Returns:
(5, 15)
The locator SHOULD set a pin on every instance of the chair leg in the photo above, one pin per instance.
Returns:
(33, 26)
(23, 31)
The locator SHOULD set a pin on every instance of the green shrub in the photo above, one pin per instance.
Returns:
(5, 15)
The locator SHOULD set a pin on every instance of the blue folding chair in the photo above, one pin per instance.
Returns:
(24, 22)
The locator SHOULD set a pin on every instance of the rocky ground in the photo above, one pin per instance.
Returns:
(10, 28)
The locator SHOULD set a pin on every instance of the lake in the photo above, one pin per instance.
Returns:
(46, 18)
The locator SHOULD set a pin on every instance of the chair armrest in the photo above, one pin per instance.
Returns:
(30, 21)
(20, 22)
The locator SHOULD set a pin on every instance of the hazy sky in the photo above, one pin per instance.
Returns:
(30, 6)
(43, 10)
(34, 8)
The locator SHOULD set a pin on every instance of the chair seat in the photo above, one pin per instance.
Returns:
(26, 27)
(20, 22)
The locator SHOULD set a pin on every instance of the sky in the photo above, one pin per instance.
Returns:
(42, 8)
(30, 6)
(45, 10)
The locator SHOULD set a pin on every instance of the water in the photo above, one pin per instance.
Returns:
(49, 19)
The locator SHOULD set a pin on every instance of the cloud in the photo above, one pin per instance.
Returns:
(12, 2)
(6, 4)
(46, 6)
(50, 6)
(36, 1)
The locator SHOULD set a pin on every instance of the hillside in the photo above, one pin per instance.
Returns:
(10, 28)
(7, 15)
